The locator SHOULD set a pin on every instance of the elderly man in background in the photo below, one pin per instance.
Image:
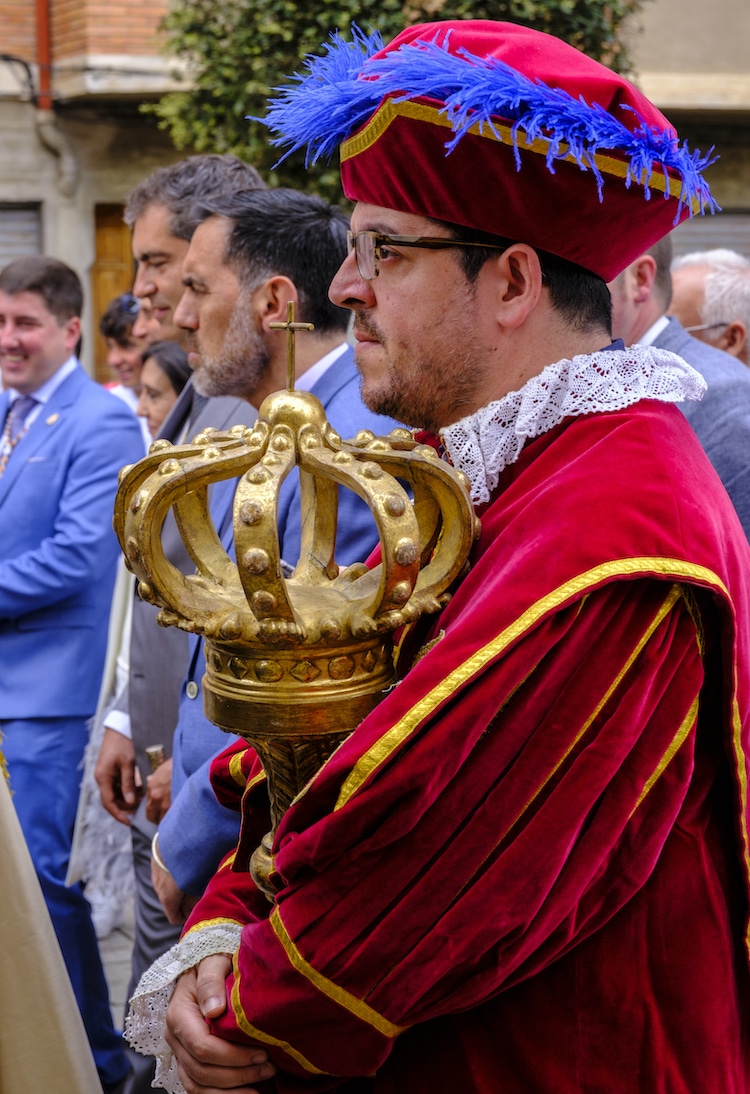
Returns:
(711, 298)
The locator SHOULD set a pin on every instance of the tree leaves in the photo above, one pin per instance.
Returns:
(237, 50)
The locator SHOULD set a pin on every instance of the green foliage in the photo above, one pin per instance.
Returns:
(237, 50)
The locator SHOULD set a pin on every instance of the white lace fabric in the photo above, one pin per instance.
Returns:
(146, 1019)
(483, 444)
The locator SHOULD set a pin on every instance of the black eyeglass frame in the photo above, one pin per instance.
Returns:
(430, 243)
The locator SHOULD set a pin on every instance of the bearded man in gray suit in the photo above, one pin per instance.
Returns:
(641, 295)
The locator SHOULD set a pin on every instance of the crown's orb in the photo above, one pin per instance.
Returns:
(293, 409)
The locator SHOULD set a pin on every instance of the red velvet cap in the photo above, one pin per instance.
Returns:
(571, 158)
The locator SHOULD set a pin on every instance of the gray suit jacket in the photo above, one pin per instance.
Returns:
(159, 655)
(721, 419)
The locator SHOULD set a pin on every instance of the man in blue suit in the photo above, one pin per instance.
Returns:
(250, 254)
(641, 296)
(64, 441)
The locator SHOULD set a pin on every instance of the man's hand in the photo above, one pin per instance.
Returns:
(115, 772)
(208, 1064)
(159, 792)
(176, 904)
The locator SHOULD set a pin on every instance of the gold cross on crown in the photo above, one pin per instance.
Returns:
(291, 329)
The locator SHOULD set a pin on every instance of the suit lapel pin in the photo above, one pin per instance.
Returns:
(52, 419)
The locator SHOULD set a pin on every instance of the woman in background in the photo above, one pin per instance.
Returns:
(164, 374)
(124, 351)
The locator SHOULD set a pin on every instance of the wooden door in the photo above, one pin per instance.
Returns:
(111, 275)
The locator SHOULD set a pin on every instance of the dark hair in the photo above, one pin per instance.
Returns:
(56, 283)
(117, 321)
(172, 360)
(580, 296)
(662, 253)
(288, 233)
(180, 183)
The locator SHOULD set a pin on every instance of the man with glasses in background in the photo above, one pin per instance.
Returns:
(711, 298)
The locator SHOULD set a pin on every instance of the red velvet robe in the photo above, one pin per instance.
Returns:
(526, 872)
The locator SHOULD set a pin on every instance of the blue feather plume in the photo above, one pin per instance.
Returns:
(339, 91)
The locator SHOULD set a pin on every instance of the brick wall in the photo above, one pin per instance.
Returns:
(84, 27)
(18, 20)
(106, 26)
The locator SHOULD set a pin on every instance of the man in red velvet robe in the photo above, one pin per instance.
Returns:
(527, 869)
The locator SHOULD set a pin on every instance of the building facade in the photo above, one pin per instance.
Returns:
(73, 142)
(693, 61)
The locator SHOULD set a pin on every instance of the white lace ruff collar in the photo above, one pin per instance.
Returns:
(483, 444)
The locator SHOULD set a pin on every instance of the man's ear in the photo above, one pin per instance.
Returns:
(733, 338)
(643, 273)
(72, 332)
(518, 277)
(271, 298)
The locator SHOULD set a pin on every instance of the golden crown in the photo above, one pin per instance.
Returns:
(294, 663)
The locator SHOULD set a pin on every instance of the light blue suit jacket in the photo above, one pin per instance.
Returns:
(197, 831)
(58, 550)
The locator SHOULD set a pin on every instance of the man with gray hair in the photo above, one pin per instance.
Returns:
(711, 298)
(161, 237)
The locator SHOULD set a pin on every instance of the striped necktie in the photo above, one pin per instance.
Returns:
(19, 412)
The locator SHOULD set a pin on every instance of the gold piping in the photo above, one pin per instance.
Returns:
(258, 1035)
(394, 736)
(235, 768)
(416, 111)
(327, 987)
(674, 746)
(217, 921)
(742, 777)
(659, 617)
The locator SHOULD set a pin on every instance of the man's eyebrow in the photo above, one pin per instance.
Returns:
(149, 256)
(190, 281)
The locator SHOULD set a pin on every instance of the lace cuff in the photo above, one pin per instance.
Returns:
(146, 1019)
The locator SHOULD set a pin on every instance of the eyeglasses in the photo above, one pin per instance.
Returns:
(706, 326)
(367, 247)
(128, 303)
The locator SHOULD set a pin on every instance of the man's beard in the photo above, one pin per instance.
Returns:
(242, 362)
